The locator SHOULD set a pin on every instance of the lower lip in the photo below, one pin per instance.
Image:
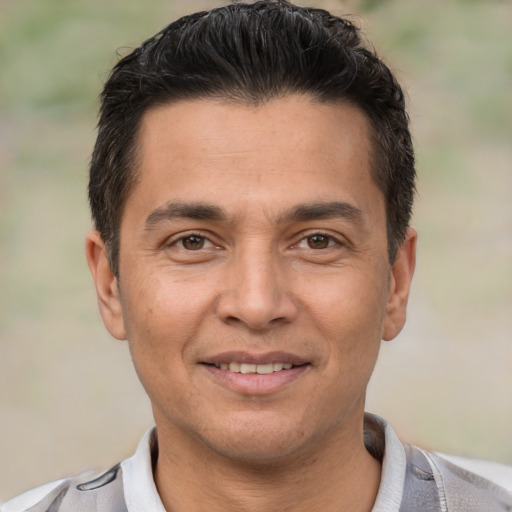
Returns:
(254, 383)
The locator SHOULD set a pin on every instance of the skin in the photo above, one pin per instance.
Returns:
(286, 256)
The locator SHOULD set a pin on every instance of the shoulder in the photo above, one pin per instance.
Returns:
(494, 472)
(128, 484)
(30, 498)
(103, 493)
(480, 482)
(417, 479)
(459, 484)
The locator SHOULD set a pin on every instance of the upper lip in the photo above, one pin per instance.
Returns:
(253, 358)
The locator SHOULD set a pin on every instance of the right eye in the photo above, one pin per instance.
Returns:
(319, 241)
(191, 247)
(193, 242)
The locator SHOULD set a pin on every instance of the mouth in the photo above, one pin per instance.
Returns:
(260, 369)
(256, 374)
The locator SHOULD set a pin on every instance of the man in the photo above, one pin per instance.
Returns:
(251, 188)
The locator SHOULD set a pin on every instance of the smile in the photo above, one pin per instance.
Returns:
(261, 369)
(256, 374)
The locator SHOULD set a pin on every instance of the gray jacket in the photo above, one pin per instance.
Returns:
(432, 484)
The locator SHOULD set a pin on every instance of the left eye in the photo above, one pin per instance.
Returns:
(193, 242)
(317, 241)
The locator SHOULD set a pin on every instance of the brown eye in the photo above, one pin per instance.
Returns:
(193, 242)
(318, 241)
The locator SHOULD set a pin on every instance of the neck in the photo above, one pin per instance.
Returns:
(338, 475)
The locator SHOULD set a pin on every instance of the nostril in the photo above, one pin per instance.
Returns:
(232, 320)
(257, 307)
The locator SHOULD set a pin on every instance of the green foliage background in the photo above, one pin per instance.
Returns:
(69, 398)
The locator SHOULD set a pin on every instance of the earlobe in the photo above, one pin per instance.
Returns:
(107, 289)
(400, 284)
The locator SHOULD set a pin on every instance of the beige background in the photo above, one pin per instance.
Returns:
(69, 399)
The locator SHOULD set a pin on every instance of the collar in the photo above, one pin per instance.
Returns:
(383, 443)
(140, 491)
(141, 494)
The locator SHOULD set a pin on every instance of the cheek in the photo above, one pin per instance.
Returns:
(160, 325)
(162, 315)
(349, 313)
(347, 306)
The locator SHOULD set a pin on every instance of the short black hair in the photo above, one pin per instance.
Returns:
(250, 53)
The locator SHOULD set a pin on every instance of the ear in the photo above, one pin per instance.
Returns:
(399, 286)
(107, 289)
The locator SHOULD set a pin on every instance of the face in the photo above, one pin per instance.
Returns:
(255, 286)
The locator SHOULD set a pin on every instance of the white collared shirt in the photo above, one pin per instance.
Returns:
(141, 495)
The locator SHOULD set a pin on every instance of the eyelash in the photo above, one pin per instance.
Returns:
(180, 240)
(331, 241)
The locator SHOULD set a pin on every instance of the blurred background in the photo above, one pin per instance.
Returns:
(69, 398)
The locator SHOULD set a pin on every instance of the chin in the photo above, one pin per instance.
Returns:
(256, 451)
(257, 441)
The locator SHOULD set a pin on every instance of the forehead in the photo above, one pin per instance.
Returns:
(287, 151)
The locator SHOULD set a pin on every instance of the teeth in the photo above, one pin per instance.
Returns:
(234, 367)
(247, 368)
(261, 369)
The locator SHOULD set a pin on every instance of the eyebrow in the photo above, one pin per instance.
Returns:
(300, 213)
(194, 211)
(321, 211)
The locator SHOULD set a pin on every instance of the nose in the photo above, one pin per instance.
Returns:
(255, 292)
